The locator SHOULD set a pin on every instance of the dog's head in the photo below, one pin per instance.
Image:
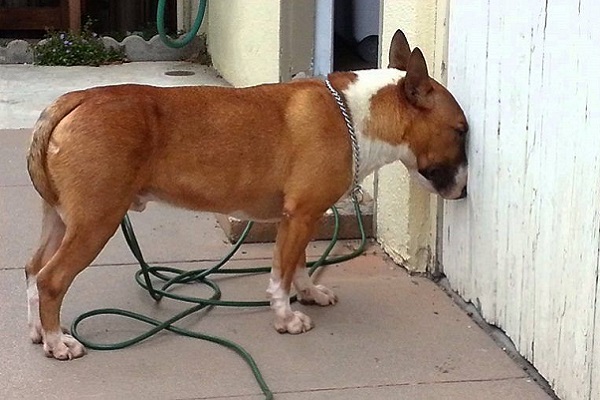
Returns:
(436, 128)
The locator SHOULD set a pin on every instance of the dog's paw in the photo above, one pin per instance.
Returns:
(294, 323)
(62, 346)
(318, 294)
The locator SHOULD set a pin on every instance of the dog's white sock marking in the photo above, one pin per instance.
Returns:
(279, 298)
(33, 310)
(56, 344)
(286, 320)
(62, 346)
(374, 152)
(311, 293)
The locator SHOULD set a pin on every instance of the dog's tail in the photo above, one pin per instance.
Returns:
(38, 150)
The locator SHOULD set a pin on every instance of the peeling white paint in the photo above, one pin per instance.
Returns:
(525, 246)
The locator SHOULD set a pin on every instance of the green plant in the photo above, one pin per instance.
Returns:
(71, 48)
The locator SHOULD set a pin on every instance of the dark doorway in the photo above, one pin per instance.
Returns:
(356, 34)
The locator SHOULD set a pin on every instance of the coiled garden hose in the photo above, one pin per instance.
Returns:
(187, 39)
(174, 276)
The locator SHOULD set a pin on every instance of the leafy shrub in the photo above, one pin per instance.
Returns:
(70, 48)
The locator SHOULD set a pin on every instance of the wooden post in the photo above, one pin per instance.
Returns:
(74, 7)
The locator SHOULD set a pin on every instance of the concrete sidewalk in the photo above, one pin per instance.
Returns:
(392, 336)
(25, 90)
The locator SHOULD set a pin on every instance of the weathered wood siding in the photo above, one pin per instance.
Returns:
(525, 247)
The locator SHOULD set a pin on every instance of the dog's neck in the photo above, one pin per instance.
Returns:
(374, 153)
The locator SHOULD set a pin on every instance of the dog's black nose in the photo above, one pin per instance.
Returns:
(463, 194)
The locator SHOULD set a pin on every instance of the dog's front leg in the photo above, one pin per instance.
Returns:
(292, 238)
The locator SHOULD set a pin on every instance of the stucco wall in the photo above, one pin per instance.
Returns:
(406, 214)
(243, 40)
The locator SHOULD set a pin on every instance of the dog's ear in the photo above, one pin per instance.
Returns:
(399, 51)
(417, 84)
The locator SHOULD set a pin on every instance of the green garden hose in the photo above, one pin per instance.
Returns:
(173, 276)
(187, 39)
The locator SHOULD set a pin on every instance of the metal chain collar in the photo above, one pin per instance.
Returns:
(356, 191)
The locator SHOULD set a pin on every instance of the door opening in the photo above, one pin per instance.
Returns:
(356, 34)
(346, 35)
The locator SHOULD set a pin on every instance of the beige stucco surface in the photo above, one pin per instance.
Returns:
(243, 40)
(406, 214)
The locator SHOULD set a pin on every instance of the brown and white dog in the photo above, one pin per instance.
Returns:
(277, 152)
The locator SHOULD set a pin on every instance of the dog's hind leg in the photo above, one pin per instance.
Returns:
(308, 292)
(85, 235)
(292, 238)
(53, 231)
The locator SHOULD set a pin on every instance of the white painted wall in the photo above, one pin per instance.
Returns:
(525, 246)
(243, 40)
(406, 214)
